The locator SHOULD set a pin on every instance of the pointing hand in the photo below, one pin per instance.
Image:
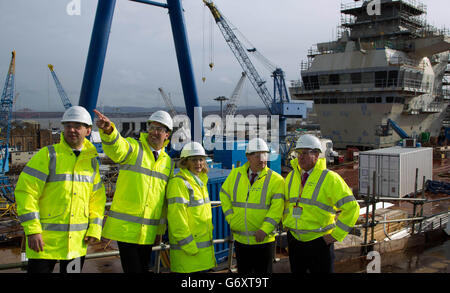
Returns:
(103, 122)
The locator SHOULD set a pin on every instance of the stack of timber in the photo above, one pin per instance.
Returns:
(382, 230)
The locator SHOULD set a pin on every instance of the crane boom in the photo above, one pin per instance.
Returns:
(232, 105)
(280, 103)
(64, 98)
(397, 129)
(7, 101)
(242, 57)
(168, 102)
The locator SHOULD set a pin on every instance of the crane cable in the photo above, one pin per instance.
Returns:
(203, 45)
(210, 43)
(251, 49)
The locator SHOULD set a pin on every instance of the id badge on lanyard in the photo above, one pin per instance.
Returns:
(297, 212)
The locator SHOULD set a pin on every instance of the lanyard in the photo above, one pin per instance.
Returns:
(301, 191)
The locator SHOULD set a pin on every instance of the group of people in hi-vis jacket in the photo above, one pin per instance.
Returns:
(61, 202)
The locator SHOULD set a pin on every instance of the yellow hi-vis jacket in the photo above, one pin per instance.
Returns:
(190, 223)
(62, 197)
(248, 209)
(324, 194)
(137, 212)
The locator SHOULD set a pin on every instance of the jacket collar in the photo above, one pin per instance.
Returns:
(88, 147)
(246, 166)
(143, 138)
(189, 176)
(320, 165)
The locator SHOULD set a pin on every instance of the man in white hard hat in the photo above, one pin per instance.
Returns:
(137, 218)
(314, 195)
(61, 198)
(252, 201)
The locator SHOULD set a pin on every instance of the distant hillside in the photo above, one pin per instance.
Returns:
(134, 111)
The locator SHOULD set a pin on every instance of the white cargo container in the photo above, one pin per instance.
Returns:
(395, 169)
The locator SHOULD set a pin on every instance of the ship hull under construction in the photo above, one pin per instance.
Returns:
(356, 125)
(388, 67)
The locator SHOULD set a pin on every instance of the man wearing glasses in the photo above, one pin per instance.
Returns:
(137, 218)
(314, 195)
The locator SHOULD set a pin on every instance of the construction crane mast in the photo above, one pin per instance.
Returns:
(168, 102)
(7, 101)
(64, 98)
(232, 104)
(278, 104)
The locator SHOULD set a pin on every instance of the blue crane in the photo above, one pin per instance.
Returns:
(64, 98)
(67, 104)
(280, 103)
(406, 140)
(7, 101)
(397, 129)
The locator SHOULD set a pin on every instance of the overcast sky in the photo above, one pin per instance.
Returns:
(141, 55)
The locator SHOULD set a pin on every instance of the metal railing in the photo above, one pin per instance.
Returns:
(416, 219)
(419, 222)
(414, 3)
(364, 86)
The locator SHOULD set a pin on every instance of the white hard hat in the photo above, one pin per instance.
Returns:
(162, 117)
(308, 141)
(256, 145)
(77, 114)
(192, 149)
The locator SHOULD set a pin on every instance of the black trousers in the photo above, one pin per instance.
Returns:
(313, 256)
(255, 258)
(135, 258)
(47, 265)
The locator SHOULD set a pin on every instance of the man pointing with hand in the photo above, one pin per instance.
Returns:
(137, 218)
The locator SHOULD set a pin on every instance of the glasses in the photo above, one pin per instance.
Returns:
(305, 152)
(157, 128)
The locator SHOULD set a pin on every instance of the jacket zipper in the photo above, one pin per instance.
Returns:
(245, 211)
(245, 217)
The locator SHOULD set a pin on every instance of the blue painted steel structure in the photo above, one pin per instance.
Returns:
(221, 228)
(96, 56)
(193, 109)
(397, 129)
(97, 53)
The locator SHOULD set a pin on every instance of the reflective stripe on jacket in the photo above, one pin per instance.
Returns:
(61, 196)
(190, 224)
(138, 212)
(248, 209)
(324, 194)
